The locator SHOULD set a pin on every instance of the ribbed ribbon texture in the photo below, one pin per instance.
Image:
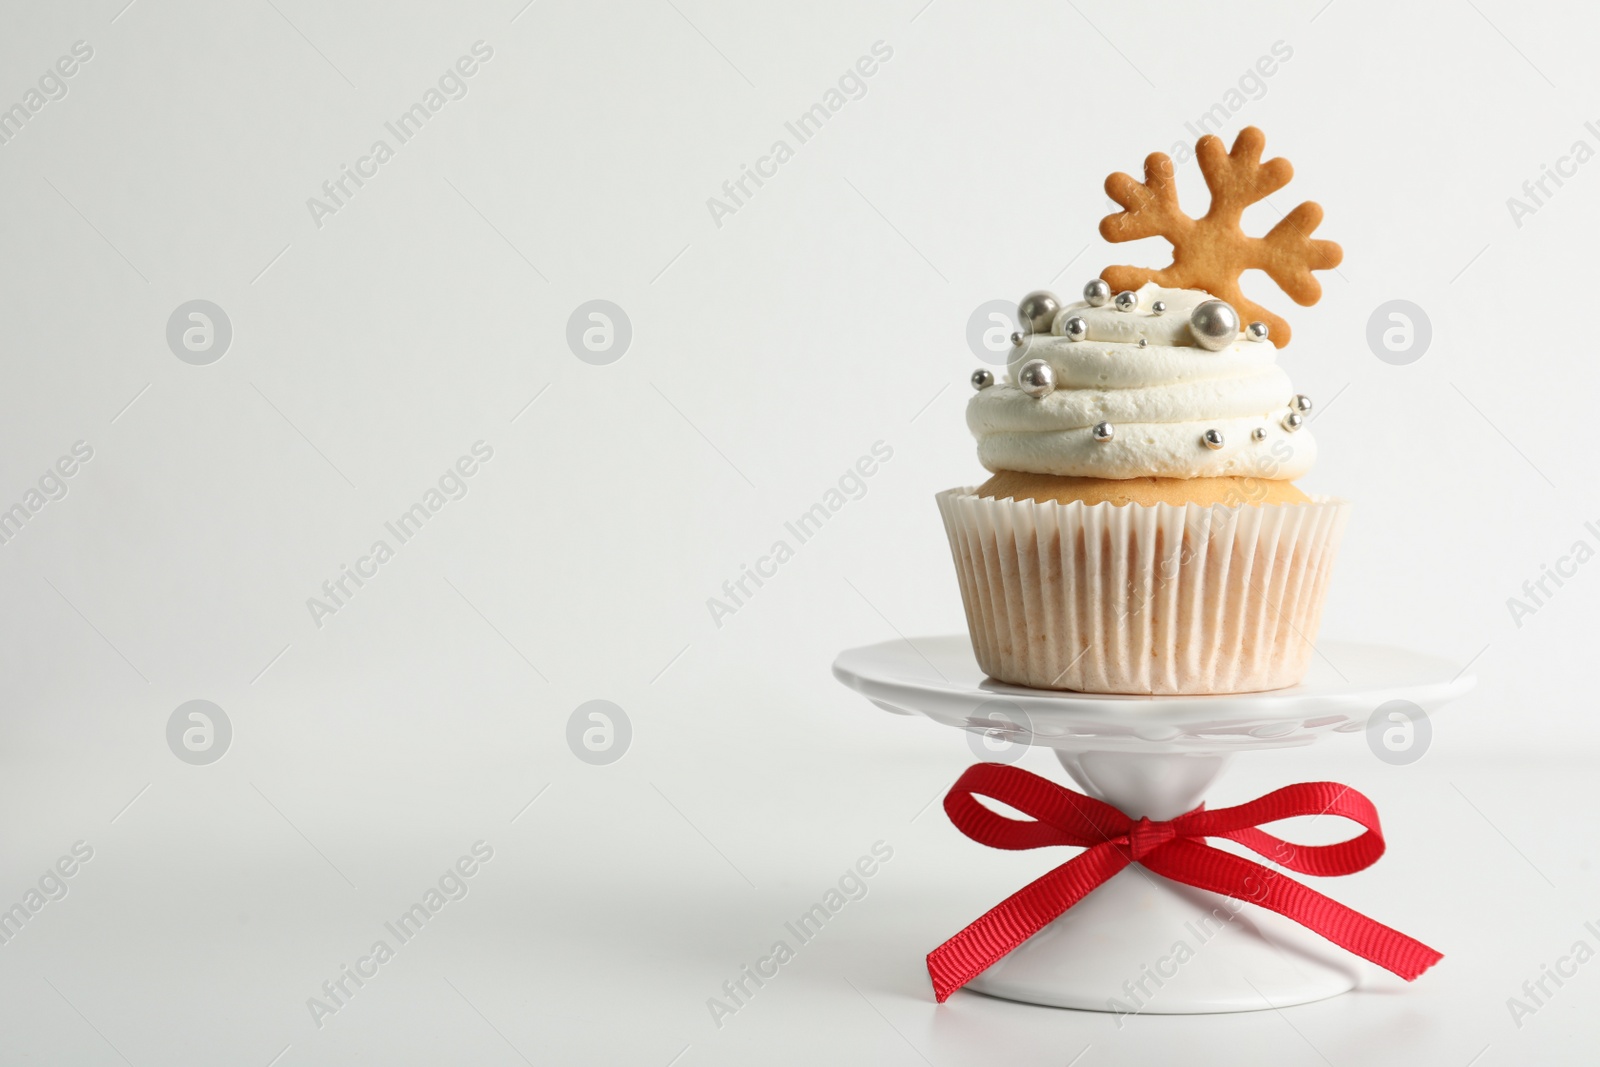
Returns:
(1174, 849)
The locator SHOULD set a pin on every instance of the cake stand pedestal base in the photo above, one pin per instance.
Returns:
(1143, 944)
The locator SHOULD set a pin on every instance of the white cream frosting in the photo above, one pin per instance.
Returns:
(1160, 399)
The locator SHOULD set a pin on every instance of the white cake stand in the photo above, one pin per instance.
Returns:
(1117, 949)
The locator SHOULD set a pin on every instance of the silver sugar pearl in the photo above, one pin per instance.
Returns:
(1037, 378)
(1018, 338)
(1097, 293)
(1037, 311)
(1103, 432)
(1256, 331)
(1301, 403)
(1258, 434)
(1159, 307)
(1293, 422)
(1212, 439)
(1075, 328)
(1144, 342)
(1215, 325)
(1127, 300)
(982, 378)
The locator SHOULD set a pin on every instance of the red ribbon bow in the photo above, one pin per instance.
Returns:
(1174, 849)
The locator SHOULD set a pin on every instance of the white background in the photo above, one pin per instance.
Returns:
(768, 354)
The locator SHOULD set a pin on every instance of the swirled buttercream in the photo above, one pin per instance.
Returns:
(1160, 399)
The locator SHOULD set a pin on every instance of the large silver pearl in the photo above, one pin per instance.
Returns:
(1215, 325)
(1097, 293)
(1075, 328)
(1037, 378)
(1301, 403)
(1258, 434)
(982, 378)
(1256, 331)
(1127, 300)
(1037, 311)
(1293, 422)
(1212, 439)
(1103, 432)
(1158, 308)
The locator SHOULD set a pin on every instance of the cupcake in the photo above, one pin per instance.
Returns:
(1141, 531)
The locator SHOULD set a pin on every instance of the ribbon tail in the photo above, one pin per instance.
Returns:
(1018, 917)
(1204, 867)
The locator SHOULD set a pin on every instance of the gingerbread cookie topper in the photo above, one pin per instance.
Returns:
(1212, 251)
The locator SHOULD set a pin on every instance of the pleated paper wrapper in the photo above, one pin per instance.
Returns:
(1144, 599)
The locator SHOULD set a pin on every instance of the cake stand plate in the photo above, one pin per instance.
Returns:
(1140, 943)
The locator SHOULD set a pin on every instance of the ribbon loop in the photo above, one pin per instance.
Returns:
(1061, 816)
(1172, 848)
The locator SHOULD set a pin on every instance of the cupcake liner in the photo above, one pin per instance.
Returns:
(1142, 598)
